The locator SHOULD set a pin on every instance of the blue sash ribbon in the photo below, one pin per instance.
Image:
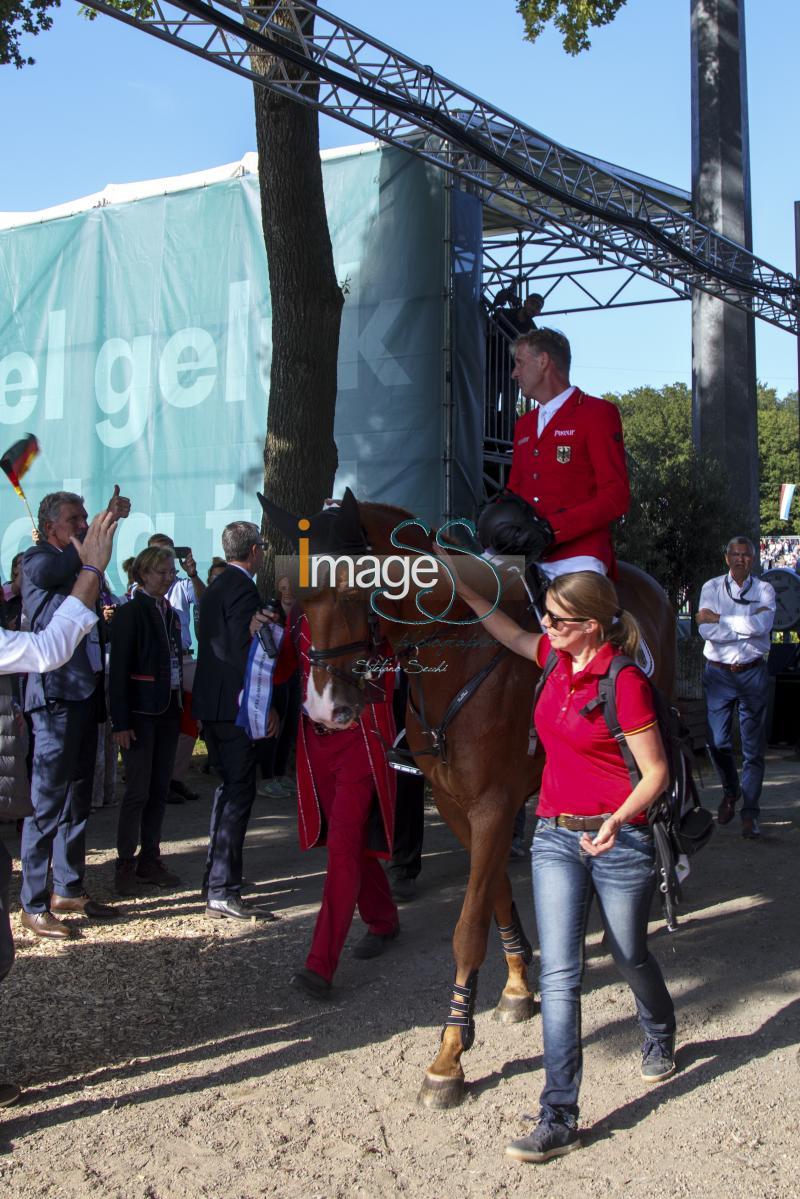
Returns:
(256, 698)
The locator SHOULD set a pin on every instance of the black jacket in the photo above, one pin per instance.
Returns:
(223, 643)
(48, 576)
(139, 679)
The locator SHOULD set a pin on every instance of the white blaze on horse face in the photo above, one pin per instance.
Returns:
(319, 702)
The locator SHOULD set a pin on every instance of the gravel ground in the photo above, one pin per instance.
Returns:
(166, 1057)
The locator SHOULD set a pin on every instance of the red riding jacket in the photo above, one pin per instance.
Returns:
(377, 726)
(574, 475)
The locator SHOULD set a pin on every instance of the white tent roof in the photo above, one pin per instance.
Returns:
(124, 193)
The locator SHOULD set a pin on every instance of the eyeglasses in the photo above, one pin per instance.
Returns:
(555, 621)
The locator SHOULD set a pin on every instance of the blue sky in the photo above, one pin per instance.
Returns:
(105, 103)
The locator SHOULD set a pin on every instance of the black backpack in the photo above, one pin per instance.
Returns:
(678, 823)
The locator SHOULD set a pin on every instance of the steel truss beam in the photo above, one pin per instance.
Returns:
(517, 171)
(570, 279)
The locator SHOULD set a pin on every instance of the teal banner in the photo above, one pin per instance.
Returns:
(135, 342)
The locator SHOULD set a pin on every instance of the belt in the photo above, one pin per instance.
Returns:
(735, 667)
(580, 824)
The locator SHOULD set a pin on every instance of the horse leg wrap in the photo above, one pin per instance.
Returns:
(515, 943)
(462, 1010)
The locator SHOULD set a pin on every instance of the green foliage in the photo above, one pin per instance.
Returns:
(572, 18)
(143, 9)
(18, 17)
(682, 511)
(778, 459)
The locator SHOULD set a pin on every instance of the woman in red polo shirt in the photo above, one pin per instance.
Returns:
(592, 836)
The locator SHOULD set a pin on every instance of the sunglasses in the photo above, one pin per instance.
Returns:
(555, 621)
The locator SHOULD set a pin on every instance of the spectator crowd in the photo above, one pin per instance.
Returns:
(780, 551)
(140, 677)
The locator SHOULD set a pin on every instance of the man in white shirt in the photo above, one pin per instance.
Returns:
(735, 619)
(55, 645)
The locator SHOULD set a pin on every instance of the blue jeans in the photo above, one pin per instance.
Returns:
(749, 691)
(64, 753)
(6, 938)
(564, 880)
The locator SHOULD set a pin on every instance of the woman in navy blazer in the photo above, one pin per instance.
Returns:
(145, 683)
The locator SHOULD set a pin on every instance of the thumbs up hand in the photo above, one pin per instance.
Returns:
(119, 505)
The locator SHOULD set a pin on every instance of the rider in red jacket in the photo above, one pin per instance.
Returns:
(569, 462)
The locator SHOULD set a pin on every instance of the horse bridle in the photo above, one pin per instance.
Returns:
(320, 658)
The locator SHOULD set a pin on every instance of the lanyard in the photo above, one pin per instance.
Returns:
(743, 593)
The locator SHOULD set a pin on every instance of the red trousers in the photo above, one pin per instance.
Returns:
(341, 770)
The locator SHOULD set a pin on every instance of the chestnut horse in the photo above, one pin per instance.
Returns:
(473, 752)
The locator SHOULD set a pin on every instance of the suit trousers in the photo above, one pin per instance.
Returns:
(148, 770)
(65, 733)
(230, 811)
(745, 691)
(6, 939)
(185, 748)
(409, 819)
(346, 791)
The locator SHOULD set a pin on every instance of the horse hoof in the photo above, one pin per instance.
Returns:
(441, 1093)
(513, 1009)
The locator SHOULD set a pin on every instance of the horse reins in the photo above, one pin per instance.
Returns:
(438, 733)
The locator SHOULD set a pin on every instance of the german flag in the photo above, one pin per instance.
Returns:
(17, 459)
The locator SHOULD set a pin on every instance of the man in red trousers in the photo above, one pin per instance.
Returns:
(346, 799)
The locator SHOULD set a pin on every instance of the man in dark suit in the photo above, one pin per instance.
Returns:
(228, 621)
(65, 706)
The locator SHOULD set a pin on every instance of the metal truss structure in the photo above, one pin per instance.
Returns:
(552, 206)
(570, 280)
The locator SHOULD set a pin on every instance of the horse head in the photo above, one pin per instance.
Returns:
(344, 630)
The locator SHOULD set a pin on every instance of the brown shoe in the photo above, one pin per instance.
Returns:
(84, 905)
(726, 809)
(125, 881)
(154, 871)
(43, 924)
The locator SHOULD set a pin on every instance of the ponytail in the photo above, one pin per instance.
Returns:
(624, 634)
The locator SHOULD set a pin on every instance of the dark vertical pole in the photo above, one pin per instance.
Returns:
(797, 275)
(724, 414)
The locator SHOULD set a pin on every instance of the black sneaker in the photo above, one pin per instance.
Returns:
(403, 888)
(372, 945)
(658, 1060)
(550, 1138)
(9, 1094)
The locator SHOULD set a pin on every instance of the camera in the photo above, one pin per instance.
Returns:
(181, 551)
(266, 635)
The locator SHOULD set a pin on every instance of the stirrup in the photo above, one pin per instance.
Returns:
(400, 757)
(462, 1010)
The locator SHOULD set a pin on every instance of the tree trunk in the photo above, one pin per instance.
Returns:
(300, 456)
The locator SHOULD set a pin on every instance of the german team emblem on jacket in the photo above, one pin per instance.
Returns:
(563, 453)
